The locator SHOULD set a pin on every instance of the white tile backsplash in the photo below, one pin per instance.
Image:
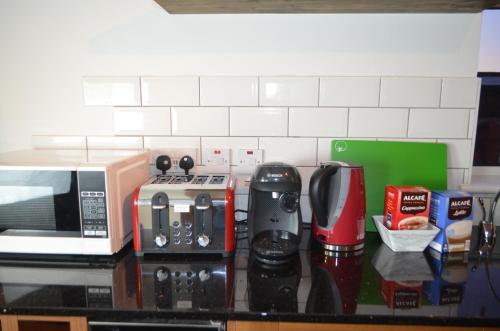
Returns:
(111, 91)
(233, 143)
(349, 91)
(305, 176)
(318, 122)
(459, 152)
(110, 142)
(455, 178)
(254, 121)
(290, 118)
(459, 92)
(202, 121)
(410, 92)
(438, 123)
(288, 91)
(170, 91)
(58, 142)
(229, 91)
(295, 151)
(375, 122)
(145, 121)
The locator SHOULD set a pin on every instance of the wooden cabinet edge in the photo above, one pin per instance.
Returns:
(76, 323)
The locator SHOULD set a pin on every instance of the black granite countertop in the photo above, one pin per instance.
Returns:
(375, 286)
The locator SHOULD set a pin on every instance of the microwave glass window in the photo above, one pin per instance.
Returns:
(39, 200)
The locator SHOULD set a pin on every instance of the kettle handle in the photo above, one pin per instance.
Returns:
(318, 192)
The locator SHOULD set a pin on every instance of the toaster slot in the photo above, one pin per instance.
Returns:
(159, 218)
(203, 219)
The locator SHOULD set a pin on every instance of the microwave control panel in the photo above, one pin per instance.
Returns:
(92, 191)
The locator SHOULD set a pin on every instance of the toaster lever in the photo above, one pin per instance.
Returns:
(159, 219)
(203, 219)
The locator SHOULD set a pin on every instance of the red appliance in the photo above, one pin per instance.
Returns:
(337, 193)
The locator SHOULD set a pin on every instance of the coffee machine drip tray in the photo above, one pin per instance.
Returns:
(275, 246)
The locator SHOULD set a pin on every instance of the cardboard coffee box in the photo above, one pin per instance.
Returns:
(451, 212)
(406, 207)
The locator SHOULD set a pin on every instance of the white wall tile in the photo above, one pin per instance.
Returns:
(455, 178)
(305, 207)
(374, 122)
(438, 123)
(56, 142)
(229, 91)
(170, 91)
(163, 144)
(318, 122)
(111, 91)
(349, 91)
(264, 121)
(459, 152)
(108, 142)
(233, 143)
(288, 91)
(459, 92)
(295, 151)
(152, 121)
(410, 92)
(472, 123)
(415, 140)
(200, 121)
(171, 142)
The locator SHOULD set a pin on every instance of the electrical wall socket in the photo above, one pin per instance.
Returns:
(250, 157)
(216, 160)
(175, 155)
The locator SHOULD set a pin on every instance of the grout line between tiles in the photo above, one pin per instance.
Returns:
(319, 88)
(199, 91)
(379, 90)
(440, 93)
(408, 124)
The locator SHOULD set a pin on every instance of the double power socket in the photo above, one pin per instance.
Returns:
(214, 160)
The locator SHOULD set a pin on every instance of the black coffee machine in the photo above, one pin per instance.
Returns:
(274, 217)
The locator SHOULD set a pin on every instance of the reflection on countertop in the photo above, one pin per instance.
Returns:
(376, 285)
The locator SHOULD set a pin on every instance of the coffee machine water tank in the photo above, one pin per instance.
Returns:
(274, 217)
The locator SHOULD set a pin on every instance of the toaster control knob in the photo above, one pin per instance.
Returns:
(204, 275)
(203, 240)
(161, 240)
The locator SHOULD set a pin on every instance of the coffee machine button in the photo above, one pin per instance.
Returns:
(188, 225)
(176, 224)
(189, 241)
(177, 232)
(203, 240)
(177, 241)
(161, 240)
(188, 233)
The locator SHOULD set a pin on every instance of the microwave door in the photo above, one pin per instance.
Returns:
(39, 203)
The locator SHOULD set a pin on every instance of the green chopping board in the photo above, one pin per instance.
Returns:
(393, 163)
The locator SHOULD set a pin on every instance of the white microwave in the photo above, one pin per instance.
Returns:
(68, 201)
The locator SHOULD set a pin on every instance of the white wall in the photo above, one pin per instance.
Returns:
(47, 46)
(489, 52)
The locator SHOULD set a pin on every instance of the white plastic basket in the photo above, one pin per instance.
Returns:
(405, 240)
